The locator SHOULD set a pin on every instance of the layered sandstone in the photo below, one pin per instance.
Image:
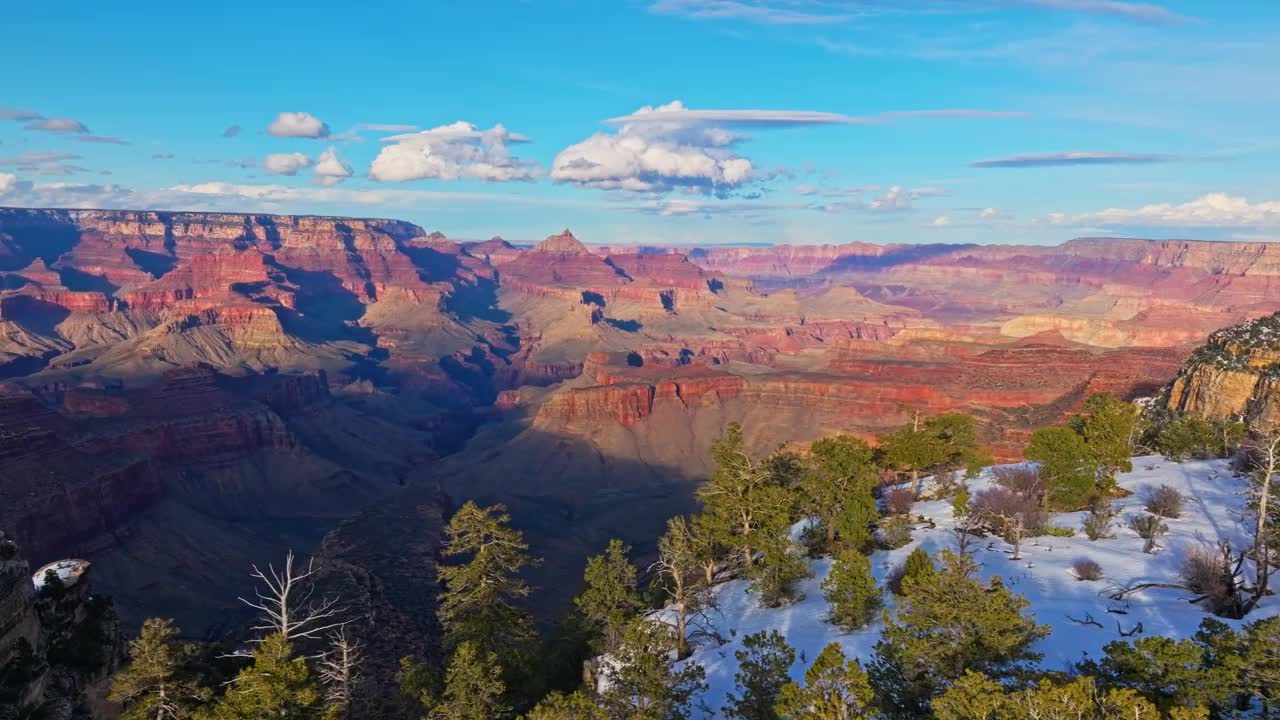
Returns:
(1236, 374)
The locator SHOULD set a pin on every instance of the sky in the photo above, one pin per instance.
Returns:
(660, 121)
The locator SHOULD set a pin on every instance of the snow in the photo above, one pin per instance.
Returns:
(1214, 510)
(69, 571)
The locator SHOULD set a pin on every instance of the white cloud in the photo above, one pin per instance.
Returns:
(8, 181)
(1211, 210)
(57, 125)
(989, 214)
(451, 152)
(298, 124)
(331, 169)
(899, 198)
(664, 148)
(676, 113)
(940, 221)
(286, 163)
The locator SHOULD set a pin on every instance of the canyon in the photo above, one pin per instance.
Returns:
(191, 393)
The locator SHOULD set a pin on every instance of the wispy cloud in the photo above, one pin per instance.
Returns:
(833, 12)
(19, 115)
(1061, 159)
(231, 131)
(1211, 210)
(57, 125)
(103, 140)
(763, 12)
(1138, 11)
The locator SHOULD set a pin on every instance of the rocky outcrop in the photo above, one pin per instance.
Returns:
(56, 639)
(1236, 374)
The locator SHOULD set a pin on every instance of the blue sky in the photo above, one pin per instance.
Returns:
(676, 121)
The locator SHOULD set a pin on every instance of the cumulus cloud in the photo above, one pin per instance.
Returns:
(663, 148)
(231, 131)
(940, 221)
(1075, 157)
(57, 125)
(286, 163)
(299, 125)
(331, 169)
(1211, 210)
(451, 152)
(8, 181)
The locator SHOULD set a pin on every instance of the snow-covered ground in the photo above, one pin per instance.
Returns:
(1214, 510)
(69, 571)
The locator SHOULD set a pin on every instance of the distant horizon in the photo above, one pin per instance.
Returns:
(525, 243)
(699, 122)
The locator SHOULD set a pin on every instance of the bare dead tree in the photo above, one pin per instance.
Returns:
(1265, 469)
(1086, 620)
(339, 670)
(284, 600)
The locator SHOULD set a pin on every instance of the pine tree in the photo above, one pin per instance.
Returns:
(973, 696)
(944, 627)
(417, 683)
(481, 600)
(958, 435)
(155, 686)
(473, 687)
(278, 686)
(1260, 662)
(610, 598)
(711, 537)
(912, 448)
(1170, 673)
(763, 666)
(574, 706)
(851, 591)
(837, 485)
(918, 568)
(677, 567)
(739, 492)
(643, 683)
(782, 565)
(1067, 464)
(833, 690)
(1109, 428)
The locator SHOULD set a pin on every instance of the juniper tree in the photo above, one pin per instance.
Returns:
(155, 685)
(918, 567)
(574, 706)
(1170, 673)
(1109, 428)
(781, 565)
(837, 485)
(643, 683)
(763, 666)
(740, 493)
(912, 448)
(851, 591)
(947, 625)
(834, 689)
(610, 598)
(711, 537)
(1068, 466)
(482, 595)
(277, 685)
(677, 570)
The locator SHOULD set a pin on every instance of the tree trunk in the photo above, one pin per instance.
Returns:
(682, 639)
(831, 533)
(1261, 549)
(915, 483)
(748, 558)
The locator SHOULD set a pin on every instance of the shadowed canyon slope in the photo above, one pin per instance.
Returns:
(230, 385)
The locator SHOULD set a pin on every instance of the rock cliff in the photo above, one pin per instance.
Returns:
(1236, 374)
